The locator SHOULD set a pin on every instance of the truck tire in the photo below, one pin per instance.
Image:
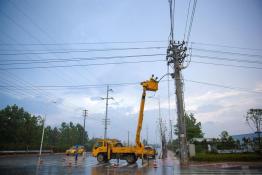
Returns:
(100, 158)
(131, 158)
(119, 145)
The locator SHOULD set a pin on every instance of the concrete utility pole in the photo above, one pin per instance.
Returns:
(147, 135)
(176, 54)
(128, 138)
(163, 138)
(106, 120)
(171, 130)
(42, 138)
(169, 109)
(85, 115)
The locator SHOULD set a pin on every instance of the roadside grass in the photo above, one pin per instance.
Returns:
(213, 157)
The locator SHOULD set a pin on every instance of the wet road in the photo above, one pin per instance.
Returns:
(60, 164)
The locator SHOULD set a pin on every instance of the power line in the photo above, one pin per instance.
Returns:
(224, 86)
(226, 52)
(82, 51)
(78, 86)
(84, 86)
(226, 46)
(191, 21)
(187, 19)
(227, 59)
(171, 16)
(81, 65)
(82, 43)
(24, 30)
(33, 61)
(227, 65)
(124, 62)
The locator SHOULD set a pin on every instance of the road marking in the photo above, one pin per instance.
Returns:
(132, 166)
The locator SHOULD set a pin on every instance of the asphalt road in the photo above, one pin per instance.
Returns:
(61, 164)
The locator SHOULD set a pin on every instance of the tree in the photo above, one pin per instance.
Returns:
(254, 120)
(224, 136)
(21, 130)
(193, 128)
(226, 141)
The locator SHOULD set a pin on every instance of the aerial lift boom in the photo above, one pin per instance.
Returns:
(150, 85)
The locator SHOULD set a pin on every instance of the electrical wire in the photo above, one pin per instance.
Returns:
(191, 21)
(30, 34)
(227, 65)
(123, 84)
(171, 16)
(82, 43)
(187, 19)
(225, 46)
(37, 61)
(124, 62)
(82, 51)
(224, 86)
(227, 52)
(81, 65)
(227, 59)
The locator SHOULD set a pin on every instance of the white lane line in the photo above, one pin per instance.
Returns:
(100, 164)
(132, 166)
(123, 165)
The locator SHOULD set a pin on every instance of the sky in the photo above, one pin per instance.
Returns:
(52, 51)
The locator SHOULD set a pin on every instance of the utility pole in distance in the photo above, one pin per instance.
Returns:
(85, 113)
(171, 130)
(106, 117)
(176, 54)
(128, 138)
(147, 135)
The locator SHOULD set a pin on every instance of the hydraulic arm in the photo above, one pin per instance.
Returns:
(149, 85)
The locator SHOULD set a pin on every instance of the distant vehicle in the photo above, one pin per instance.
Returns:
(107, 149)
(151, 149)
(80, 150)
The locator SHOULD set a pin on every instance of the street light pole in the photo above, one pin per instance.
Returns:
(43, 133)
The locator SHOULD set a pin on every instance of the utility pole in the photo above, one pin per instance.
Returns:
(176, 54)
(85, 115)
(162, 129)
(171, 130)
(169, 109)
(128, 138)
(163, 138)
(147, 135)
(106, 120)
(42, 138)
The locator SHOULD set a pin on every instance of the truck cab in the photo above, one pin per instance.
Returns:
(102, 147)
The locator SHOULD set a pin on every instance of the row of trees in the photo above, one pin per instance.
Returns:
(194, 130)
(22, 131)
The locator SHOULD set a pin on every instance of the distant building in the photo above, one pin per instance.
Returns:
(202, 139)
(250, 136)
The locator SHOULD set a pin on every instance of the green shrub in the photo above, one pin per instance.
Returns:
(212, 157)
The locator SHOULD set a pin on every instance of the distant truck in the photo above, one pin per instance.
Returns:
(106, 149)
(71, 151)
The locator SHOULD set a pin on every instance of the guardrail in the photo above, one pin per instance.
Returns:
(24, 152)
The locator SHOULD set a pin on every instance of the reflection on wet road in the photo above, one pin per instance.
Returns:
(60, 164)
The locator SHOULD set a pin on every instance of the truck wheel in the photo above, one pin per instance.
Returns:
(131, 158)
(119, 145)
(100, 158)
